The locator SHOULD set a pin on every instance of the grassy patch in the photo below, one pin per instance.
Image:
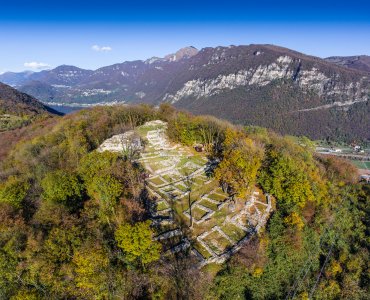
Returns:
(162, 205)
(220, 215)
(234, 232)
(199, 180)
(208, 204)
(157, 181)
(171, 178)
(361, 164)
(198, 213)
(262, 208)
(217, 242)
(212, 269)
(143, 130)
(187, 171)
(168, 188)
(217, 197)
(198, 160)
(203, 251)
(181, 187)
(155, 166)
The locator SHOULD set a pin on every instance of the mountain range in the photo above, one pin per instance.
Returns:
(263, 85)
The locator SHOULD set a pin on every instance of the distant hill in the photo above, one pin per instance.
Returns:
(14, 78)
(360, 62)
(18, 109)
(262, 85)
(20, 104)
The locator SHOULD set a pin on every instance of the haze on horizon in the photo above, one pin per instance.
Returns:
(88, 34)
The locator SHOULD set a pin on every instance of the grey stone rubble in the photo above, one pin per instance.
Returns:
(168, 234)
(121, 142)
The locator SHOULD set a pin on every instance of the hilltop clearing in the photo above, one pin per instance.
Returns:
(177, 177)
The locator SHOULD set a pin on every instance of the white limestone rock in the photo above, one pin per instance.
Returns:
(121, 142)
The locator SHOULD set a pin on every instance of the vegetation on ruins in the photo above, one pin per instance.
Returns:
(76, 223)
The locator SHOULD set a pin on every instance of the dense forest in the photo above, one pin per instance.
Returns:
(75, 223)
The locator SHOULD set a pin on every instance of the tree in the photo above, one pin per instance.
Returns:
(240, 162)
(106, 189)
(166, 111)
(13, 191)
(286, 178)
(189, 183)
(62, 187)
(96, 163)
(211, 131)
(91, 272)
(137, 243)
(130, 145)
(61, 242)
(25, 294)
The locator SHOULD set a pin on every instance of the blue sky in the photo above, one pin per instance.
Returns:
(90, 34)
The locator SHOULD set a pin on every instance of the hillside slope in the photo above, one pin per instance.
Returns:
(360, 62)
(18, 109)
(18, 103)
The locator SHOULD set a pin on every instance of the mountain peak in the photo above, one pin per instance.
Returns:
(185, 52)
(66, 68)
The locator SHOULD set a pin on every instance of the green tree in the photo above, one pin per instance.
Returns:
(62, 187)
(61, 242)
(96, 163)
(91, 272)
(240, 162)
(25, 294)
(13, 191)
(286, 178)
(137, 243)
(106, 189)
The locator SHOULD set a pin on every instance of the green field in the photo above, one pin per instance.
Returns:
(361, 164)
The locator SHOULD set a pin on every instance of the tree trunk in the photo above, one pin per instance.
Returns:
(191, 216)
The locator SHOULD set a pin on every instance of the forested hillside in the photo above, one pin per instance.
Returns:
(20, 104)
(18, 109)
(77, 223)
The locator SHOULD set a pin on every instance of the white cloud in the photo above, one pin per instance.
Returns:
(101, 48)
(36, 65)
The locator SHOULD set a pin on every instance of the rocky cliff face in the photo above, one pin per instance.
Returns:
(285, 68)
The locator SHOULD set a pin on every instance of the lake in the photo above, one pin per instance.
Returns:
(66, 109)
